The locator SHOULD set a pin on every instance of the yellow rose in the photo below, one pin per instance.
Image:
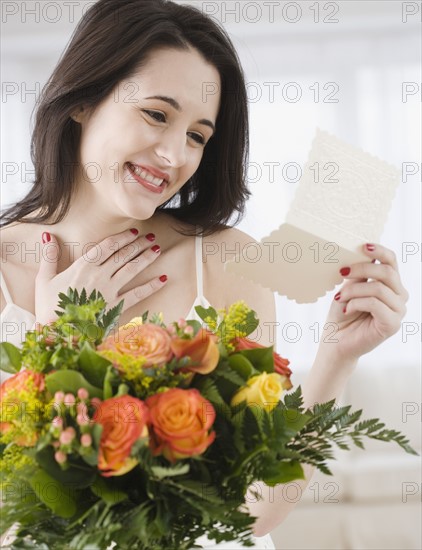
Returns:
(264, 390)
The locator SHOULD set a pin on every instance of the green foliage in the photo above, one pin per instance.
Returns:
(10, 358)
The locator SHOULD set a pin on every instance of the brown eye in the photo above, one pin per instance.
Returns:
(197, 137)
(156, 115)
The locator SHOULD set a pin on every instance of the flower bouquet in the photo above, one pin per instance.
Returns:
(148, 436)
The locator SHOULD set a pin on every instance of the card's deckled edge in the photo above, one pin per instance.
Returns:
(274, 290)
(356, 150)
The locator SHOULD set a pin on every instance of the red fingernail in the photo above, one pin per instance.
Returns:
(155, 248)
(344, 309)
(134, 231)
(150, 237)
(46, 237)
(337, 296)
(345, 271)
(370, 247)
(163, 278)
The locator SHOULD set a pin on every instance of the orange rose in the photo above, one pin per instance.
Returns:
(14, 394)
(124, 421)
(280, 363)
(180, 421)
(202, 350)
(149, 342)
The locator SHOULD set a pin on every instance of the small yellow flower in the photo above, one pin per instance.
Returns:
(133, 322)
(263, 390)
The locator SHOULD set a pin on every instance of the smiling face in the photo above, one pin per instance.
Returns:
(154, 127)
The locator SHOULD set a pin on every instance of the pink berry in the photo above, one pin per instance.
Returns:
(86, 440)
(96, 402)
(82, 420)
(57, 422)
(60, 457)
(171, 329)
(69, 399)
(188, 330)
(83, 394)
(59, 397)
(181, 322)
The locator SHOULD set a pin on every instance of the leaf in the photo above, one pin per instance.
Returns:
(203, 313)
(161, 472)
(70, 381)
(77, 474)
(96, 432)
(262, 359)
(93, 366)
(110, 319)
(294, 400)
(10, 358)
(283, 472)
(241, 365)
(110, 495)
(53, 494)
(294, 420)
(210, 391)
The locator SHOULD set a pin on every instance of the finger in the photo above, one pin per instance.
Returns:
(49, 257)
(135, 266)
(388, 321)
(102, 251)
(372, 288)
(139, 293)
(381, 253)
(130, 252)
(380, 272)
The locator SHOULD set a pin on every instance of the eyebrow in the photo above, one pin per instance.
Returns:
(176, 105)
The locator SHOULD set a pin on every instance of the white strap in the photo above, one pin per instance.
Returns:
(5, 290)
(198, 255)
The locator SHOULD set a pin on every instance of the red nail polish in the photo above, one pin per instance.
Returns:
(370, 247)
(46, 237)
(345, 271)
(337, 296)
(163, 278)
(344, 309)
(155, 248)
(150, 237)
(134, 231)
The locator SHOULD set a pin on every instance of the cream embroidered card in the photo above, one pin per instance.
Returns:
(342, 201)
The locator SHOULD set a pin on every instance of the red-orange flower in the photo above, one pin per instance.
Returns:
(180, 421)
(202, 349)
(146, 341)
(124, 421)
(280, 363)
(13, 395)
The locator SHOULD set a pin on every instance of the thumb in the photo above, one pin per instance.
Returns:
(50, 254)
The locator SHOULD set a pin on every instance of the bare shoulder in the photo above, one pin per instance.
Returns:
(19, 260)
(222, 247)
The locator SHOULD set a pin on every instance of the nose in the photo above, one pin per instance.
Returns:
(171, 146)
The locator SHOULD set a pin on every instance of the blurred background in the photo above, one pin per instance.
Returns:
(351, 68)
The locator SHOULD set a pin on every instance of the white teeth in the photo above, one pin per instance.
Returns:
(146, 176)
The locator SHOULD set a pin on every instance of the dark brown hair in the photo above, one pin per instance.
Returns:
(110, 43)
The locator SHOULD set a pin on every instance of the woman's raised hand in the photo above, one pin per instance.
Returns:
(369, 307)
(106, 267)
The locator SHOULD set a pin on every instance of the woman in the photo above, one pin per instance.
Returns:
(140, 143)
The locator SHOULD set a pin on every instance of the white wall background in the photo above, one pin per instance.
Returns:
(367, 49)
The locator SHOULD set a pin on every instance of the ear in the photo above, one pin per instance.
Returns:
(78, 114)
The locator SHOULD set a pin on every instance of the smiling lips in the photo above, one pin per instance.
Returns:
(149, 178)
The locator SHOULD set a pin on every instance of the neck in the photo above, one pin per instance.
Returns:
(82, 226)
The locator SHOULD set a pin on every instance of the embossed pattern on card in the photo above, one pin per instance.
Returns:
(342, 202)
